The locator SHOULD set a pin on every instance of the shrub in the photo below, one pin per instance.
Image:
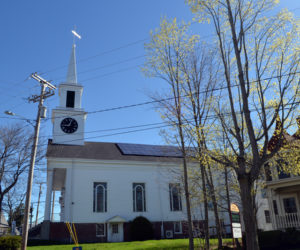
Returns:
(141, 229)
(278, 239)
(10, 242)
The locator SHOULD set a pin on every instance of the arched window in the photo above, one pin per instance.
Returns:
(175, 197)
(100, 197)
(139, 201)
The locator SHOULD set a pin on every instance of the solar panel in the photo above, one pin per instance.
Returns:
(149, 150)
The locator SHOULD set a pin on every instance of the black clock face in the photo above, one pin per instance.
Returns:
(69, 125)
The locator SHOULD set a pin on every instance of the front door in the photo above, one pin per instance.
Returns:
(116, 232)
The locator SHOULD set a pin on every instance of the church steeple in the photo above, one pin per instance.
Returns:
(69, 118)
(72, 72)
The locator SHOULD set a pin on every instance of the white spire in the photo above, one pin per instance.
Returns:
(72, 72)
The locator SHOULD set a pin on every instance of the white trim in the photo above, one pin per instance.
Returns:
(104, 230)
(95, 200)
(138, 184)
(171, 187)
(63, 160)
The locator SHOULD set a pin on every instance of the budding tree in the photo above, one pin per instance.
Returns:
(259, 54)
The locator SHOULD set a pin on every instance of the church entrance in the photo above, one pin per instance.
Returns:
(115, 230)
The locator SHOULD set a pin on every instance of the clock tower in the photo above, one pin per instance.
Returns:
(69, 118)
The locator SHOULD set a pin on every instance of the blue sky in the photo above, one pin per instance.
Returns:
(36, 37)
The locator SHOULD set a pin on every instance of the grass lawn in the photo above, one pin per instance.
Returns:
(135, 245)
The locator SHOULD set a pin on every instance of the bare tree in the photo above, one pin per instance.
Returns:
(13, 200)
(15, 154)
(201, 80)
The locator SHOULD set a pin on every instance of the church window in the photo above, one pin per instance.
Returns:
(115, 228)
(100, 197)
(70, 99)
(175, 197)
(139, 201)
(177, 227)
(100, 230)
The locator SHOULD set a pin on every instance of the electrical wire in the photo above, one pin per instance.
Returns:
(97, 55)
(169, 98)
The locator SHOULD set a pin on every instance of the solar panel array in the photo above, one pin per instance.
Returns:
(149, 150)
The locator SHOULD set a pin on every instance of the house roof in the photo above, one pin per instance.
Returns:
(115, 151)
(116, 219)
(285, 137)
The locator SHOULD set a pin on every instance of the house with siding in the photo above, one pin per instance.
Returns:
(283, 189)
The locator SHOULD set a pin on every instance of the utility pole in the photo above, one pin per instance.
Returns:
(35, 98)
(31, 215)
(52, 214)
(38, 205)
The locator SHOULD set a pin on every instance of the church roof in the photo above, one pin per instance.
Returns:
(115, 151)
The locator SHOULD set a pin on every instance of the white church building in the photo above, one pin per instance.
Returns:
(104, 186)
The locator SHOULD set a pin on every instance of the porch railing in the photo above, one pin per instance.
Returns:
(287, 220)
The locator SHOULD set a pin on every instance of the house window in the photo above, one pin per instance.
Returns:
(100, 197)
(115, 228)
(210, 205)
(177, 227)
(290, 205)
(267, 216)
(139, 201)
(263, 193)
(175, 197)
(275, 207)
(100, 230)
(70, 99)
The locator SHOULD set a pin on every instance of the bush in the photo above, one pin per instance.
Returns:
(278, 239)
(141, 229)
(10, 242)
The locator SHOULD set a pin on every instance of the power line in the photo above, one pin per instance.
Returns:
(112, 73)
(105, 66)
(156, 127)
(103, 53)
(171, 98)
(97, 55)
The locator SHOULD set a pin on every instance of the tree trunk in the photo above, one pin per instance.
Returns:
(206, 229)
(228, 201)
(248, 212)
(1, 201)
(215, 205)
(188, 205)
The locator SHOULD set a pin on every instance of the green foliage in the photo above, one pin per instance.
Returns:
(10, 242)
(141, 229)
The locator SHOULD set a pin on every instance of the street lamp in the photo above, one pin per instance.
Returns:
(8, 112)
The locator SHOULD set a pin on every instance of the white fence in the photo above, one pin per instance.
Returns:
(288, 220)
